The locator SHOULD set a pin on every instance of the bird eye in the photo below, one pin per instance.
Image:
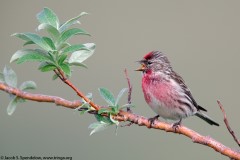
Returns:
(149, 62)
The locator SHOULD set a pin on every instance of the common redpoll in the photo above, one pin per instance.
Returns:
(166, 92)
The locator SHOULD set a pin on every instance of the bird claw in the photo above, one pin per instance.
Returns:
(176, 125)
(152, 120)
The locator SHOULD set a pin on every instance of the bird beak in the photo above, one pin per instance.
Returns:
(142, 68)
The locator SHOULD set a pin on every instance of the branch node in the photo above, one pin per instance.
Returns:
(195, 139)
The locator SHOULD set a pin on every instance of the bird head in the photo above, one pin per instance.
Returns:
(154, 61)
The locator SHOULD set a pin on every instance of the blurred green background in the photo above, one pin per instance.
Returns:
(201, 39)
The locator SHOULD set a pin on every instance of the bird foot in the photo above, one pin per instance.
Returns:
(176, 125)
(152, 120)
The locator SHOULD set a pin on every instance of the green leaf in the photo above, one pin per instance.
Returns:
(28, 85)
(10, 76)
(62, 58)
(74, 48)
(104, 110)
(115, 109)
(82, 55)
(20, 100)
(66, 69)
(70, 22)
(2, 78)
(12, 105)
(55, 76)
(52, 31)
(49, 17)
(21, 36)
(63, 45)
(71, 32)
(45, 67)
(98, 126)
(83, 112)
(33, 56)
(28, 42)
(41, 51)
(107, 96)
(120, 94)
(101, 118)
(52, 56)
(79, 64)
(21, 53)
(35, 38)
(50, 42)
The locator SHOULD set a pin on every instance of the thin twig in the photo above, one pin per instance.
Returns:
(129, 97)
(129, 89)
(79, 93)
(227, 124)
(58, 74)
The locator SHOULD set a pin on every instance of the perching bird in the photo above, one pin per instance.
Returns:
(166, 92)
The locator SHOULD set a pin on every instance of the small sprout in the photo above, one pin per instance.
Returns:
(10, 78)
(112, 102)
(113, 109)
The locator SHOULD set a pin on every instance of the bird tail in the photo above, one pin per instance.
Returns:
(206, 118)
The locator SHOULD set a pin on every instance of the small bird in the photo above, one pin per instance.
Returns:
(166, 92)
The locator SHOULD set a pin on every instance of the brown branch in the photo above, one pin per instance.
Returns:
(40, 97)
(196, 137)
(96, 107)
(227, 124)
(61, 75)
(130, 117)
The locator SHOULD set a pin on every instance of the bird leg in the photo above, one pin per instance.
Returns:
(176, 125)
(152, 120)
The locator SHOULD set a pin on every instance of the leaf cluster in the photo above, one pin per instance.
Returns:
(9, 77)
(113, 108)
(54, 51)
